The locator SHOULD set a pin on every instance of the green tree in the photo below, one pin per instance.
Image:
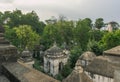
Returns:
(66, 70)
(99, 23)
(16, 18)
(50, 35)
(65, 30)
(81, 34)
(111, 39)
(75, 52)
(96, 34)
(94, 46)
(11, 35)
(88, 22)
(26, 36)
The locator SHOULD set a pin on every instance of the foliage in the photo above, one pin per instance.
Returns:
(22, 36)
(11, 35)
(57, 32)
(96, 35)
(50, 34)
(94, 47)
(99, 23)
(66, 70)
(59, 77)
(75, 52)
(16, 18)
(28, 38)
(37, 65)
(111, 39)
(81, 33)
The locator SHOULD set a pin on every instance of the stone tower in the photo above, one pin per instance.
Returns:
(8, 53)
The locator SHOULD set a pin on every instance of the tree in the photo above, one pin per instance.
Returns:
(66, 70)
(96, 34)
(88, 21)
(94, 46)
(81, 34)
(1, 18)
(50, 35)
(26, 36)
(75, 52)
(16, 18)
(111, 39)
(60, 32)
(65, 30)
(99, 23)
(11, 35)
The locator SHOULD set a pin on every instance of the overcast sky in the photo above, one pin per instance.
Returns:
(72, 9)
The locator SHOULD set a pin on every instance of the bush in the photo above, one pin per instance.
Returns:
(75, 52)
(59, 77)
(37, 66)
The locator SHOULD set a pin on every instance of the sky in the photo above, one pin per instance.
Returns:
(72, 9)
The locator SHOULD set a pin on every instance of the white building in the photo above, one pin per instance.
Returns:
(54, 60)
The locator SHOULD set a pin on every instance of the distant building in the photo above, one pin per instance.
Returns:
(54, 60)
(112, 26)
(109, 27)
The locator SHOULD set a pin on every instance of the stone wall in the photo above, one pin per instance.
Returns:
(99, 78)
(9, 75)
(117, 76)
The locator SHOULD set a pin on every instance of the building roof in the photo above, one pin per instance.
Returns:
(87, 56)
(26, 74)
(55, 52)
(77, 77)
(113, 51)
(103, 66)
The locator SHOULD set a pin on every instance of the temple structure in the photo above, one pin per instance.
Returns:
(54, 60)
(26, 57)
(86, 58)
(8, 52)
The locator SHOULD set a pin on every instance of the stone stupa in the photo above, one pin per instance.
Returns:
(8, 52)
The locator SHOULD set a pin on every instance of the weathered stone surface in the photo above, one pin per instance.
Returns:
(8, 53)
(19, 72)
(117, 76)
(3, 79)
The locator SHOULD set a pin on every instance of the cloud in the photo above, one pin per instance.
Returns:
(6, 1)
(72, 9)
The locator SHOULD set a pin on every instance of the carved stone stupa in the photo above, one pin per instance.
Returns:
(8, 53)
